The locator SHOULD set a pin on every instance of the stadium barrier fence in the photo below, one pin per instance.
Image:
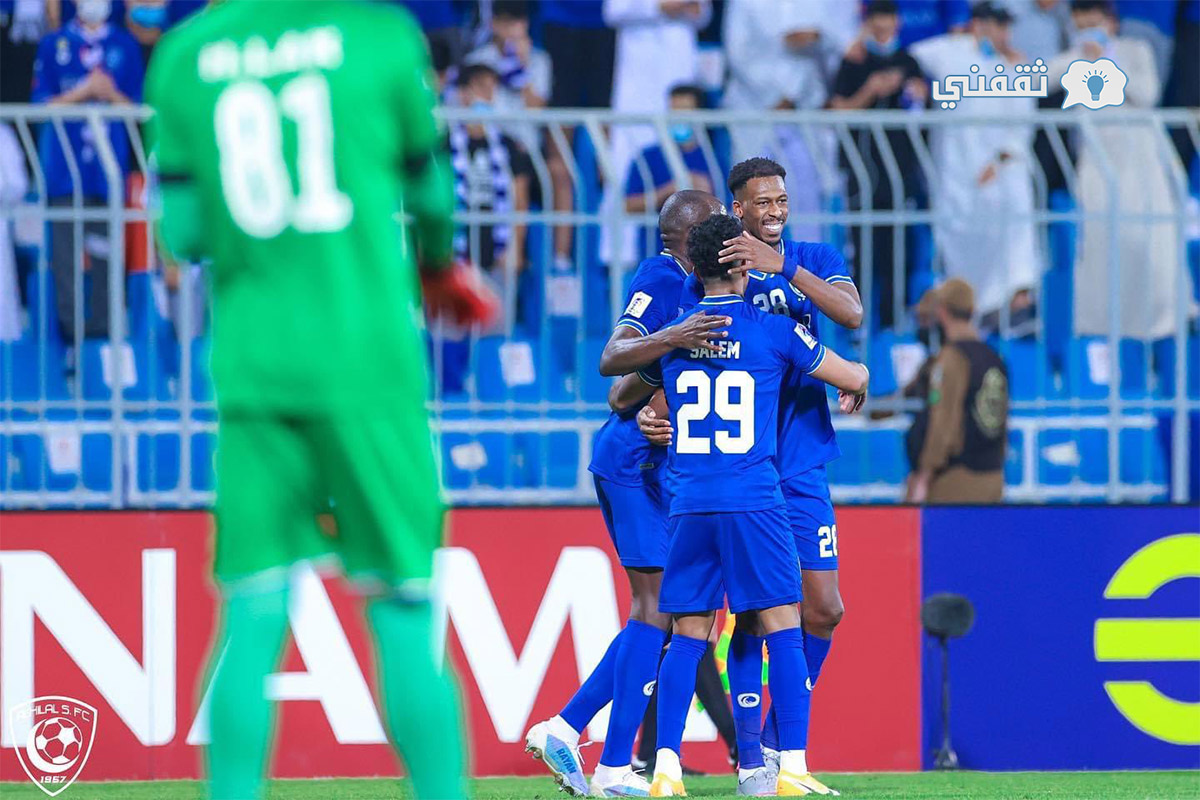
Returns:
(129, 421)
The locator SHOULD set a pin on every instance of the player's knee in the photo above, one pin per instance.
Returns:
(644, 609)
(823, 614)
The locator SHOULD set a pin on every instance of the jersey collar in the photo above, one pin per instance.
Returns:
(721, 300)
(671, 256)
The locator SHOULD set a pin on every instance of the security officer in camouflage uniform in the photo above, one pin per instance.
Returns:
(957, 441)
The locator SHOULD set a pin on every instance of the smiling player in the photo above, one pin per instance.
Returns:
(730, 533)
(796, 279)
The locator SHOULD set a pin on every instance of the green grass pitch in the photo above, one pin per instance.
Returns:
(874, 786)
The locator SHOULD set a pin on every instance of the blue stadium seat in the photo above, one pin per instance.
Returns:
(97, 462)
(1089, 367)
(1014, 464)
(485, 459)
(1067, 454)
(21, 372)
(869, 456)
(595, 385)
(6, 466)
(550, 459)
(38, 468)
(42, 305)
(157, 462)
(506, 370)
(1164, 366)
(204, 446)
(1142, 456)
(149, 381)
(1029, 375)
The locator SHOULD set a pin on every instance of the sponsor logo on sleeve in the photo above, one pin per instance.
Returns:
(638, 305)
(805, 336)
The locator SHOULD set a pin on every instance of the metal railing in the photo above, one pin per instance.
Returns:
(517, 407)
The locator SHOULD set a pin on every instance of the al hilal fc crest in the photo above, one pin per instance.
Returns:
(53, 737)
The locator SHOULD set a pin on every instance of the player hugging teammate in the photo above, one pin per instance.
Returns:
(751, 405)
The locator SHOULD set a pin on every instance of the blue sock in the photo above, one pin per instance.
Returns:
(815, 651)
(596, 691)
(636, 669)
(790, 694)
(744, 667)
(770, 731)
(676, 685)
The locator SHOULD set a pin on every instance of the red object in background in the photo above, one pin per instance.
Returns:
(116, 609)
(137, 238)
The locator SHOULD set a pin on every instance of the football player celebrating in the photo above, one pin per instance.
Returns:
(626, 470)
(795, 279)
(730, 533)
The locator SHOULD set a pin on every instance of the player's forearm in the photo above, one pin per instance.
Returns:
(429, 197)
(849, 376)
(839, 302)
(627, 392)
(622, 356)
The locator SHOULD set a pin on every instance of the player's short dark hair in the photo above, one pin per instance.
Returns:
(706, 241)
(470, 72)
(1105, 6)
(510, 9)
(876, 8)
(756, 167)
(692, 90)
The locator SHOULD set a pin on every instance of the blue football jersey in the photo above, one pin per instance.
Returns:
(804, 420)
(619, 452)
(725, 405)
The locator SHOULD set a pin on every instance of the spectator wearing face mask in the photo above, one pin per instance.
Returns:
(148, 20)
(524, 69)
(491, 174)
(878, 73)
(649, 181)
(88, 60)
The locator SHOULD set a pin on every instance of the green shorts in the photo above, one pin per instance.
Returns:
(375, 473)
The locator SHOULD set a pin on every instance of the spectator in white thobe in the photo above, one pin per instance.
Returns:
(13, 184)
(983, 195)
(656, 50)
(1149, 275)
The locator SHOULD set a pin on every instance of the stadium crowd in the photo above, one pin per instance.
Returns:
(652, 56)
(500, 57)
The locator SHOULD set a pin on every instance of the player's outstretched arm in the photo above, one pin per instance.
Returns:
(848, 376)
(628, 391)
(628, 350)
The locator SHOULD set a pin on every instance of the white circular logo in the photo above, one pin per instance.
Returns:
(748, 700)
(54, 745)
(648, 689)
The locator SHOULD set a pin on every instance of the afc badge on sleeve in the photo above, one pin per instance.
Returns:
(638, 304)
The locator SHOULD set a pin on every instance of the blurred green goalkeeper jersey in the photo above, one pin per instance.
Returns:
(292, 128)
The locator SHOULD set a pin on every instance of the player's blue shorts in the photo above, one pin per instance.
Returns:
(810, 510)
(749, 556)
(636, 517)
